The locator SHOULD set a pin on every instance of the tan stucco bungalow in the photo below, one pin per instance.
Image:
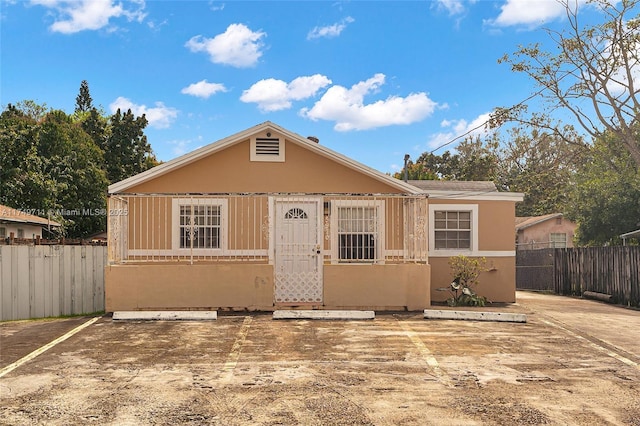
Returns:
(268, 219)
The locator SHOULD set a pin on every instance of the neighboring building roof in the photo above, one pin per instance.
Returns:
(454, 185)
(470, 190)
(526, 222)
(207, 150)
(11, 215)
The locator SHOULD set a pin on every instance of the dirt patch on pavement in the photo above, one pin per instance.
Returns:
(395, 370)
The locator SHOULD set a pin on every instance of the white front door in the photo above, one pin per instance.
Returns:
(298, 251)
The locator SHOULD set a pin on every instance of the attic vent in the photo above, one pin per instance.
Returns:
(268, 146)
(267, 149)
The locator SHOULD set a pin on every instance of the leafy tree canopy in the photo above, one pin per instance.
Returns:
(591, 74)
(606, 198)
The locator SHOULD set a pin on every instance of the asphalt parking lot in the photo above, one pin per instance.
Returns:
(573, 362)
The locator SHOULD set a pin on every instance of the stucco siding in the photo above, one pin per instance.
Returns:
(202, 286)
(250, 286)
(231, 171)
(497, 285)
(377, 286)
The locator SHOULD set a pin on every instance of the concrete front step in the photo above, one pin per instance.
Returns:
(474, 315)
(323, 315)
(165, 315)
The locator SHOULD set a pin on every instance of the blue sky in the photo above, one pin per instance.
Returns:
(371, 80)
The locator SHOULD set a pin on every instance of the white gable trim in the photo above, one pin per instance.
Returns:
(122, 186)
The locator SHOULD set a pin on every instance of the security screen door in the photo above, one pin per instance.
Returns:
(298, 252)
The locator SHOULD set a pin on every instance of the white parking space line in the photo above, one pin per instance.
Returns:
(234, 355)
(9, 368)
(593, 345)
(425, 353)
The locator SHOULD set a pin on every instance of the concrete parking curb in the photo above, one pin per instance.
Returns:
(165, 315)
(317, 314)
(475, 316)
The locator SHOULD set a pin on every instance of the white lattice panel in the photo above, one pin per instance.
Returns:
(298, 288)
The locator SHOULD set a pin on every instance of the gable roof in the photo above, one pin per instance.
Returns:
(11, 215)
(464, 190)
(526, 222)
(221, 144)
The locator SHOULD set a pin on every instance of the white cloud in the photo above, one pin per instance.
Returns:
(78, 15)
(347, 108)
(182, 146)
(454, 7)
(459, 130)
(274, 95)
(203, 89)
(160, 116)
(238, 46)
(330, 30)
(530, 12)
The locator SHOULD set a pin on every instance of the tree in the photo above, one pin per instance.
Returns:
(605, 201)
(593, 75)
(475, 160)
(542, 166)
(52, 165)
(84, 102)
(478, 160)
(21, 176)
(127, 151)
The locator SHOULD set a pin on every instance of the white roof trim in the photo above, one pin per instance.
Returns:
(181, 161)
(435, 195)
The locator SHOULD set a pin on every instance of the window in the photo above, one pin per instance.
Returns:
(358, 234)
(200, 227)
(558, 240)
(20, 233)
(3, 232)
(199, 223)
(267, 148)
(453, 229)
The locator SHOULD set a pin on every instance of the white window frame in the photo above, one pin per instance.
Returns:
(268, 158)
(473, 208)
(175, 225)
(380, 250)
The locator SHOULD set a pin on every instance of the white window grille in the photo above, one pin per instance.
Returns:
(198, 224)
(359, 230)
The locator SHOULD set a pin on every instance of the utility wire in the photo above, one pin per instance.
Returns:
(539, 92)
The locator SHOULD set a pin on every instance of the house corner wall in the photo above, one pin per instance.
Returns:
(497, 285)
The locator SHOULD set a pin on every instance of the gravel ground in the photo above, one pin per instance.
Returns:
(399, 369)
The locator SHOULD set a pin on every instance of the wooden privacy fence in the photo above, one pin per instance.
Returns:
(608, 270)
(45, 281)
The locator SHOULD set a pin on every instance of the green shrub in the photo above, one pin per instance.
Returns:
(466, 271)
